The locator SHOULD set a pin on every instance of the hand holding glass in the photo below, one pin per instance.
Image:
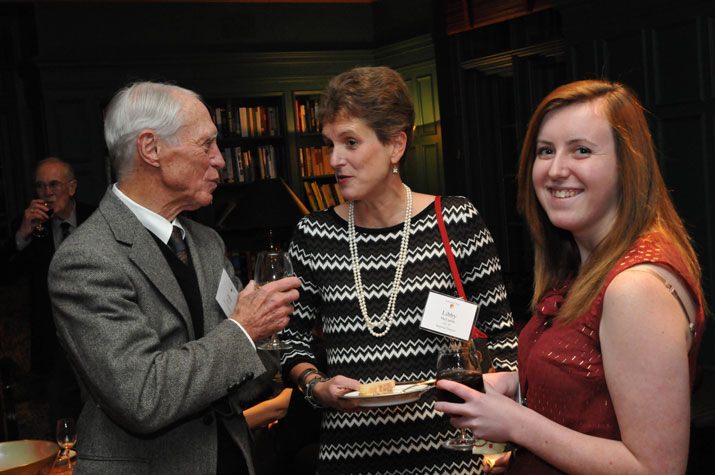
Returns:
(40, 228)
(459, 362)
(271, 266)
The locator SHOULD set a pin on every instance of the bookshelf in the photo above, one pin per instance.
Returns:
(253, 142)
(251, 138)
(319, 187)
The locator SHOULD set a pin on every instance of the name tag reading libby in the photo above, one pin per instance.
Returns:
(226, 295)
(449, 316)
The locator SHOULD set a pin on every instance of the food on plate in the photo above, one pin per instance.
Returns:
(378, 388)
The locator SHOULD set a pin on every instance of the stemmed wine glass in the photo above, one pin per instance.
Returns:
(66, 435)
(41, 228)
(459, 362)
(270, 266)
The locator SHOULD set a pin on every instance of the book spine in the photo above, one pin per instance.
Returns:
(311, 197)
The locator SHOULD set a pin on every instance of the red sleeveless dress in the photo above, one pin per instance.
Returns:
(560, 366)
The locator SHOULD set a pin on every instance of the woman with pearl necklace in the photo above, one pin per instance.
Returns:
(367, 267)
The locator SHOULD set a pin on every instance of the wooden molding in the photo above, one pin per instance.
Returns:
(500, 63)
(465, 15)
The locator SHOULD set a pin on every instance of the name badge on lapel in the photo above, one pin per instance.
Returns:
(226, 295)
(449, 316)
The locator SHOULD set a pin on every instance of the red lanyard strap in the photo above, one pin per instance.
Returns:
(476, 333)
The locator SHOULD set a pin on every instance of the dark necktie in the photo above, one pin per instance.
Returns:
(65, 228)
(178, 245)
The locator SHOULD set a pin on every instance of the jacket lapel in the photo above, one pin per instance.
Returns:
(204, 274)
(144, 253)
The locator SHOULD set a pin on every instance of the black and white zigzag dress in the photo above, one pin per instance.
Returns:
(403, 439)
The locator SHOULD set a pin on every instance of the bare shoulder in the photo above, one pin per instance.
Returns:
(645, 278)
(639, 298)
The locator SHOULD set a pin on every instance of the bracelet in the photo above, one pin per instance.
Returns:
(309, 390)
(300, 381)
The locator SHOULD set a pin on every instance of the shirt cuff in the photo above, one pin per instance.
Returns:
(244, 332)
(21, 243)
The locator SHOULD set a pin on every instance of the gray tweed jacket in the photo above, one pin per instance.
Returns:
(150, 389)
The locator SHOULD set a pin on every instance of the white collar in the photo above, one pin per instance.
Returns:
(154, 222)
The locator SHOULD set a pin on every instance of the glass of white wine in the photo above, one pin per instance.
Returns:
(270, 266)
(66, 434)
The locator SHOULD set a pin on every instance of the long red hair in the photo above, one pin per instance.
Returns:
(644, 202)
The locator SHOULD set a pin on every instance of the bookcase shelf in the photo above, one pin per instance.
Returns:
(313, 155)
(251, 138)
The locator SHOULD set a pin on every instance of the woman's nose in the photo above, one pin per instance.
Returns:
(559, 166)
(335, 159)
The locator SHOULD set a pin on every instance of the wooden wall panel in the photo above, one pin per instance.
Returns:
(428, 107)
(423, 170)
(709, 54)
(677, 69)
(683, 166)
(663, 49)
(625, 61)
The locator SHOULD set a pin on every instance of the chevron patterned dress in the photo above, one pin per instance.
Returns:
(404, 439)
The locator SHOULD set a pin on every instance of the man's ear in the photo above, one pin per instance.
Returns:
(72, 187)
(148, 147)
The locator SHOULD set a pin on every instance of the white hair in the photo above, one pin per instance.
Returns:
(140, 106)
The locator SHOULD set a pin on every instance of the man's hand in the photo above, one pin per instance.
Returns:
(264, 311)
(36, 211)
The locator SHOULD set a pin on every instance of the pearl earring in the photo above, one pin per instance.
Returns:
(395, 170)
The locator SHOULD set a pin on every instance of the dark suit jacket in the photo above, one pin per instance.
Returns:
(150, 387)
(33, 262)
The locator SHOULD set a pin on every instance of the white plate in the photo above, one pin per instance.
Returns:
(402, 394)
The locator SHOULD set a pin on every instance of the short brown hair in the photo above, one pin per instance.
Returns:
(378, 95)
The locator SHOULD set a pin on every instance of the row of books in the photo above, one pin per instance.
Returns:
(306, 111)
(244, 165)
(314, 161)
(321, 196)
(257, 121)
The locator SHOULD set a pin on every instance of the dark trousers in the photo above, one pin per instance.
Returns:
(230, 458)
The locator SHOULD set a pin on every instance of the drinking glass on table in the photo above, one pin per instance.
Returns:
(270, 266)
(459, 362)
(66, 435)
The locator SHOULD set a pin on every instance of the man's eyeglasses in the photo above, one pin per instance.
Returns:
(54, 185)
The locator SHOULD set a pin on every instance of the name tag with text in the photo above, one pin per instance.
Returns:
(227, 294)
(449, 316)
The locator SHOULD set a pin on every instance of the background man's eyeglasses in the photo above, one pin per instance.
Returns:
(54, 185)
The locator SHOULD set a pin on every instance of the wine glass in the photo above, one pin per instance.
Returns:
(41, 228)
(66, 435)
(270, 266)
(459, 362)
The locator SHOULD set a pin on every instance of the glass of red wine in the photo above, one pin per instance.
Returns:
(41, 228)
(459, 362)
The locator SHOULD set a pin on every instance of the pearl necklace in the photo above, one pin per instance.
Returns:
(387, 319)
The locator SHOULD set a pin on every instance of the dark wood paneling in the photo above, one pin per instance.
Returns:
(683, 165)
(677, 74)
(663, 49)
(423, 169)
(624, 60)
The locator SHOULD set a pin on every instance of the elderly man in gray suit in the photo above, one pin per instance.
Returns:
(147, 318)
